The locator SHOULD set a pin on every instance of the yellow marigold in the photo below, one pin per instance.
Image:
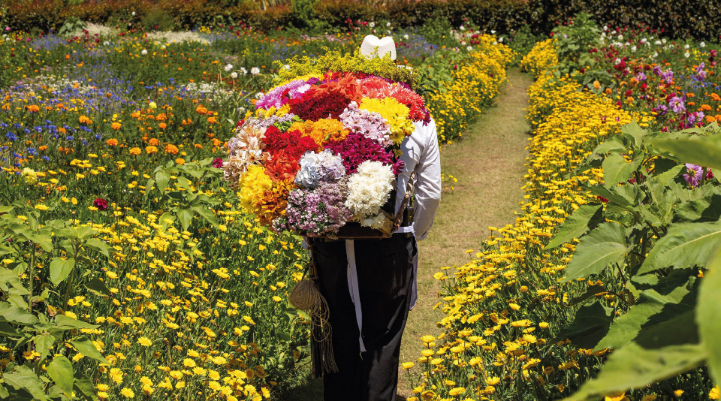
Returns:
(112, 142)
(180, 161)
(394, 112)
(262, 196)
(457, 391)
(151, 150)
(116, 126)
(84, 120)
(325, 130)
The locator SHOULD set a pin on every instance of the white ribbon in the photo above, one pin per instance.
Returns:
(353, 289)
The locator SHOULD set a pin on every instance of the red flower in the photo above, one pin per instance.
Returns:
(100, 203)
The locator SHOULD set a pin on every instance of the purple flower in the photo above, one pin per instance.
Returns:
(677, 104)
(218, 163)
(657, 70)
(694, 174)
(641, 76)
(282, 94)
(667, 76)
(700, 73)
(662, 109)
(316, 212)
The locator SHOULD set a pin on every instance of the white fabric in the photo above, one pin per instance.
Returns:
(353, 289)
(385, 45)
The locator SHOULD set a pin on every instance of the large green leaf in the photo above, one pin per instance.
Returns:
(706, 209)
(86, 347)
(616, 169)
(99, 246)
(612, 195)
(207, 214)
(64, 322)
(651, 311)
(707, 314)
(98, 287)
(43, 343)
(61, 371)
(86, 386)
(634, 367)
(585, 218)
(589, 326)
(186, 217)
(60, 269)
(161, 180)
(633, 132)
(702, 150)
(23, 378)
(685, 245)
(599, 248)
(17, 315)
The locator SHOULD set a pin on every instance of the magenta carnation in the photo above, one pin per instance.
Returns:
(357, 148)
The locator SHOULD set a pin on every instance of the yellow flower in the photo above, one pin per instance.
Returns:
(127, 393)
(145, 342)
(408, 365)
(678, 393)
(715, 393)
(41, 207)
(189, 363)
(457, 391)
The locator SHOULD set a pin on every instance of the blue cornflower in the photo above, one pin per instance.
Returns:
(47, 159)
(31, 151)
(11, 136)
(70, 138)
(98, 136)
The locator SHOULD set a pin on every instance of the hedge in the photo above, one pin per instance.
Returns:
(700, 19)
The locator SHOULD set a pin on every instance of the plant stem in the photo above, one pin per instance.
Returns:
(32, 275)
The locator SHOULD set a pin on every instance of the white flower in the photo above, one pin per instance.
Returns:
(493, 32)
(687, 54)
(687, 47)
(617, 61)
(234, 75)
(228, 67)
(372, 25)
(643, 40)
(255, 70)
(495, 43)
(500, 40)
(633, 48)
(243, 70)
(369, 189)
(658, 42)
(462, 28)
(133, 13)
(144, 52)
(469, 48)
(655, 54)
(605, 28)
(106, 43)
(259, 95)
(405, 36)
(663, 40)
(388, 24)
(463, 43)
(620, 37)
(702, 44)
(286, 67)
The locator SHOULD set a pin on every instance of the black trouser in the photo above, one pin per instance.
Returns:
(385, 282)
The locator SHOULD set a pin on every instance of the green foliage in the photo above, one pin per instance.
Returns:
(659, 235)
(72, 25)
(157, 19)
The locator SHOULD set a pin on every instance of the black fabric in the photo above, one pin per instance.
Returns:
(385, 282)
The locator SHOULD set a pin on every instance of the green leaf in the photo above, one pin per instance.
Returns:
(61, 371)
(616, 169)
(186, 217)
(45, 241)
(613, 197)
(669, 174)
(99, 246)
(23, 378)
(162, 179)
(685, 245)
(651, 311)
(707, 316)
(86, 347)
(7, 330)
(60, 269)
(98, 287)
(634, 367)
(589, 326)
(43, 343)
(86, 386)
(702, 150)
(207, 214)
(585, 218)
(634, 132)
(64, 322)
(599, 248)
(17, 315)
(591, 291)
(706, 209)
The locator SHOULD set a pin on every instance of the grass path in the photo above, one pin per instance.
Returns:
(489, 166)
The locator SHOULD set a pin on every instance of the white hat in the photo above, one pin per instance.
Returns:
(385, 45)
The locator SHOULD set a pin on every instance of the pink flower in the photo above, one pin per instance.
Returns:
(100, 203)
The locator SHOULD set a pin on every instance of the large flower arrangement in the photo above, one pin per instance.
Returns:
(323, 149)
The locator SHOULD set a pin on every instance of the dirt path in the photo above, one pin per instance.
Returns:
(489, 166)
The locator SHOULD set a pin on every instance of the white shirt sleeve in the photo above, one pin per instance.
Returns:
(428, 184)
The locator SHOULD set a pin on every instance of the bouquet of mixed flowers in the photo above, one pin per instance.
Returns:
(323, 150)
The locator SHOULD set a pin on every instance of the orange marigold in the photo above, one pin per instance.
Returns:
(200, 109)
(151, 150)
(212, 120)
(180, 161)
(154, 142)
(163, 125)
(33, 108)
(84, 120)
(112, 142)
(115, 126)
(197, 146)
(172, 149)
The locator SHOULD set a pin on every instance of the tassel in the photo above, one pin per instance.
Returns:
(306, 296)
